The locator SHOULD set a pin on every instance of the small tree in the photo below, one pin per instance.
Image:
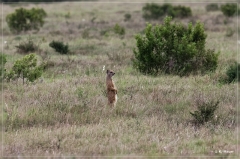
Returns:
(25, 68)
(24, 20)
(173, 48)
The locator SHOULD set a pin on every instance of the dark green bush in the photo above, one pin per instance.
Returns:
(205, 112)
(233, 73)
(127, 17)
(24, 20)
(155, 11)
(59, 47)
(3, 61)
(173, 49)
(27, 46)
(182, 12)
(229, 9)
(25, 68)
(212, 7)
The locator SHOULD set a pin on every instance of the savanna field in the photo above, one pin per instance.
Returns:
(64, 113)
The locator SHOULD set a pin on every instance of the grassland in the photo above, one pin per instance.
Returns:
(65, 112)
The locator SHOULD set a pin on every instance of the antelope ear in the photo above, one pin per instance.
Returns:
(107, 71)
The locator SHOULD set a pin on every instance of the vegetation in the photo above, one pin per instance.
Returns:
(3, 61)
(118, 29)
(59, 47)
(64, 113)
(27, 46)
(127, 17)
(25, 68)
(229, 9)
(233, 73)
(212, 7)
(24, 19)
(205, 112)
(174, 49)
(155, 11)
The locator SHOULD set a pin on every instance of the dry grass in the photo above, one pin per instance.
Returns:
(65, 113)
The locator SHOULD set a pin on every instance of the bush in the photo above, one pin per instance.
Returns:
(25, 68)
(173, 48)
(182, 12)
(154, 11)
(205, 112)
(212, 7)
(117, 29)
(59, 47)
(127, 17)
(229, 9)
(24, 20)
(3, 61)
(27, 46)
(233, 73)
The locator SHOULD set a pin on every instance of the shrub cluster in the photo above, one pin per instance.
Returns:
(25, 68)
(24, 19)
(27, 46)
(155, 11)
(205, 112)
(173, 48)
(229, 9)
(212, 7)
(59, 47)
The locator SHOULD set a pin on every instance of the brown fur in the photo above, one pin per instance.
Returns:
(111, 89)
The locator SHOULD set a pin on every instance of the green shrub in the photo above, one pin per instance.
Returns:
(155, 11)
(229, 9)
(212, 7)
(182, 12)
(3, 61)
(25, 68)
(205, 112)
(24, 20)
(119, 29)
(233, 72)
(27, 46)
(127, 17)
(59, 47)
(173, 48)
